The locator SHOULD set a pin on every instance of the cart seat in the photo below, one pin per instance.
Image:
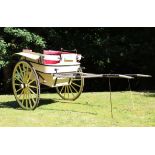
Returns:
(51, 52)
(51, 57)
(54, 57)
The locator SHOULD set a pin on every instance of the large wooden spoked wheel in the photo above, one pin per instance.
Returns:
(73, 90)
(26, 85)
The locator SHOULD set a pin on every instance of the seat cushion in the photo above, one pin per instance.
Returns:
(51, 57)
(51, 52)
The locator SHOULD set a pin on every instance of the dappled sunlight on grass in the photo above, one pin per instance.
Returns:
(90, 109)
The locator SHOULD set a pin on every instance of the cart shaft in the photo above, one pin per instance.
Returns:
(91, 75)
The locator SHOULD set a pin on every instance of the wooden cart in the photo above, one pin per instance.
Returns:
(59, 69)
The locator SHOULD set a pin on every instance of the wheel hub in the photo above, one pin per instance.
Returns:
(24, 85)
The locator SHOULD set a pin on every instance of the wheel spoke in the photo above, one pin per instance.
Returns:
(71, 90)
(23, 97)
(67, 91)
(30, 103)
(32, 97)
(32, 91)
(76, 84)
(27, 73)
(19, 90)
(21, 71)
(21, 93)
(16, 84)
(26, 99)
(62, 89)
(74, 89)
(29, 76)
(33, 86)
(16, 78)
(19, 75)
(29, 99)
(32, 81)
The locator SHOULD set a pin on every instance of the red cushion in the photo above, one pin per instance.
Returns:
(51, 52)
(49, 62)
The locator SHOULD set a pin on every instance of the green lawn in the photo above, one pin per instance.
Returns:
(90, 109)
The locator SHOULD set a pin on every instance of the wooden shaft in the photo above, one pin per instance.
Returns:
(139, 75)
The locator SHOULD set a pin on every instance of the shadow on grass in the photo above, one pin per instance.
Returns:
(42, 102)
(9, 104)
(78, 103)
(15, 105)
(64, 110)
(87, 104)
(150, 94)
(147, 93)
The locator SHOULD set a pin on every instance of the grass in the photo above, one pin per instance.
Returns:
(136, 109)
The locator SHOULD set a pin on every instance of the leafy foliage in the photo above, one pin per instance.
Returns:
(3, 52)
(14, 40)
(27, 37)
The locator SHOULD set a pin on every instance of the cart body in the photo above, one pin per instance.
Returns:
(51, 63)
(34, 69)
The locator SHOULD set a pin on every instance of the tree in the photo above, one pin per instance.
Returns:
(13, 40)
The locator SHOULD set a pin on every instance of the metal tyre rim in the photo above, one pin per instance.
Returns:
(26, 85)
